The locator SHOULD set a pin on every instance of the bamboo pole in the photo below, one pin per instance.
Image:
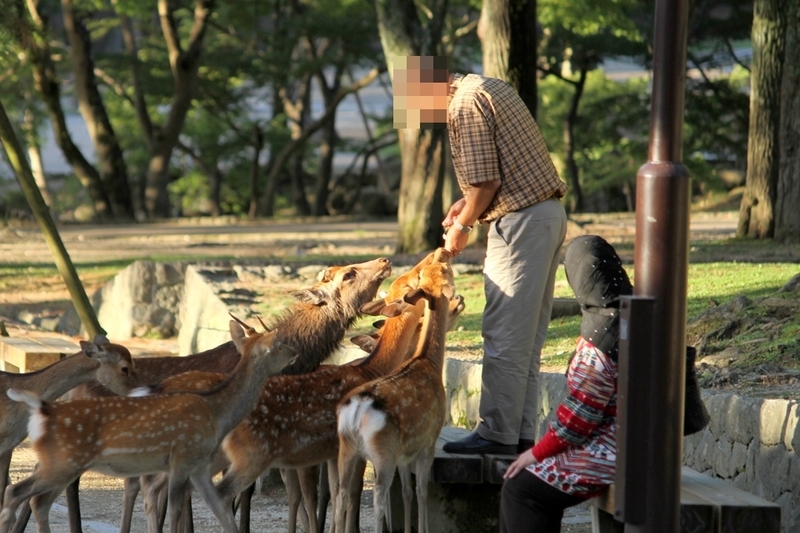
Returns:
(16, 157)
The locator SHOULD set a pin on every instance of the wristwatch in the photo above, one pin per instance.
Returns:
(460, 227)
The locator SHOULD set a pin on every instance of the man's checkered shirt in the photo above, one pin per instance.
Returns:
(493, 136)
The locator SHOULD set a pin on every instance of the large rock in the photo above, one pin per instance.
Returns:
(141, 301)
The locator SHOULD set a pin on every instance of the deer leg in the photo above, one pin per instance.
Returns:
(24, 517)
(245, 498)
(202, 482)
(324, 492)
(384, 473)
(24, 490)
(176, 487)
(154, 493)
(348, 455)
(408, 493)
(131, 490)
(292, 485)
(5, 465)
(308, 485)
(40, 505)
(187, 517)
(355, 488)
(422, 469)
(74, 506)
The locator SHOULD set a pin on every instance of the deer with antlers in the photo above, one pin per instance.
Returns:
(133, 436)
(294, 423)
(110, 364)
(394, 421)
(314, 325)
(399, 288)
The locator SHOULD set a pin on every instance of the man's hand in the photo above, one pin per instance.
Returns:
(454, 240)
(454, 211)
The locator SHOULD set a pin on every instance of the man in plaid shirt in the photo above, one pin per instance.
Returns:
(508, 181)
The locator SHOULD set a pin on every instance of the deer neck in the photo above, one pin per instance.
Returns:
(59, 378)
(393, 346)
(431, 343)
(232, 400)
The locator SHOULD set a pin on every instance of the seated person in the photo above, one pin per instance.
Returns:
(575, 460)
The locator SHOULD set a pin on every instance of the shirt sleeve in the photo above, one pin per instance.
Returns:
(477, 140)
(592, 384)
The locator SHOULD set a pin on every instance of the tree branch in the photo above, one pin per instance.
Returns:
(283, 157)
(733, 54)
(551, 72)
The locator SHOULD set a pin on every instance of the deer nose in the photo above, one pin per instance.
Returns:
(385, 260)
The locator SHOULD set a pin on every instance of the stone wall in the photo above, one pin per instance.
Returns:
(752, 443)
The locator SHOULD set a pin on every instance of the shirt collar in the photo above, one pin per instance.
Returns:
(454, 86)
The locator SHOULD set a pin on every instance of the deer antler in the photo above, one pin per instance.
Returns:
(263, 325)
(247, 328)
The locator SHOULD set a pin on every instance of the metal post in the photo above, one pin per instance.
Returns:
(661, 259)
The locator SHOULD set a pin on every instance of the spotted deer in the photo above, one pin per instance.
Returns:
(314, 325)
(99, 359)
(133, 436)
(294, 423)
(399, 287)
(395, 421)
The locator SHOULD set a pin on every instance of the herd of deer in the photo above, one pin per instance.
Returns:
(167, 424)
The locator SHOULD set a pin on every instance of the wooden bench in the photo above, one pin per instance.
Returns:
(18, 354)
(708, 505)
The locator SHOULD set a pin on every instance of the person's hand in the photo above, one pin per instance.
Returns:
(454, 211)
(524, 460)
(455, 241)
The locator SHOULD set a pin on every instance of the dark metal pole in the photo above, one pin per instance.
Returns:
(661, 260)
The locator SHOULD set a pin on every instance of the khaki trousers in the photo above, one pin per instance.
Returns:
(522, 258)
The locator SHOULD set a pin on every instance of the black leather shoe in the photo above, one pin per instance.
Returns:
(525, 445)
(474, 443)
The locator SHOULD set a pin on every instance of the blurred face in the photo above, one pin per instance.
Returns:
(421, 86)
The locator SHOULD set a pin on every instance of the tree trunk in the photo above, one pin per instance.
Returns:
(299, 198)
(185, 65)
(573, 172)
(255, 168)
(327, 148)
(35, 155)
(787, 215)
(756, 214)
(507, 31)
(113, 172)
(16, 157)
(34, 41)
(326, 152)
(420, 210)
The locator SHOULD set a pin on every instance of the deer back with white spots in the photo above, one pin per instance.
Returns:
(98, 359)
(132, 436)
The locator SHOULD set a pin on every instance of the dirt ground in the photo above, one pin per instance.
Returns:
(96, 245)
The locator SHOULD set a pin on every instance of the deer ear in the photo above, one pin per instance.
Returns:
(414, 296)
(101, 340)
(394, 309)
(448, 291)
(237, 336)
(373, 308)
(90, 349)
(309, 296)
(365, 342)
